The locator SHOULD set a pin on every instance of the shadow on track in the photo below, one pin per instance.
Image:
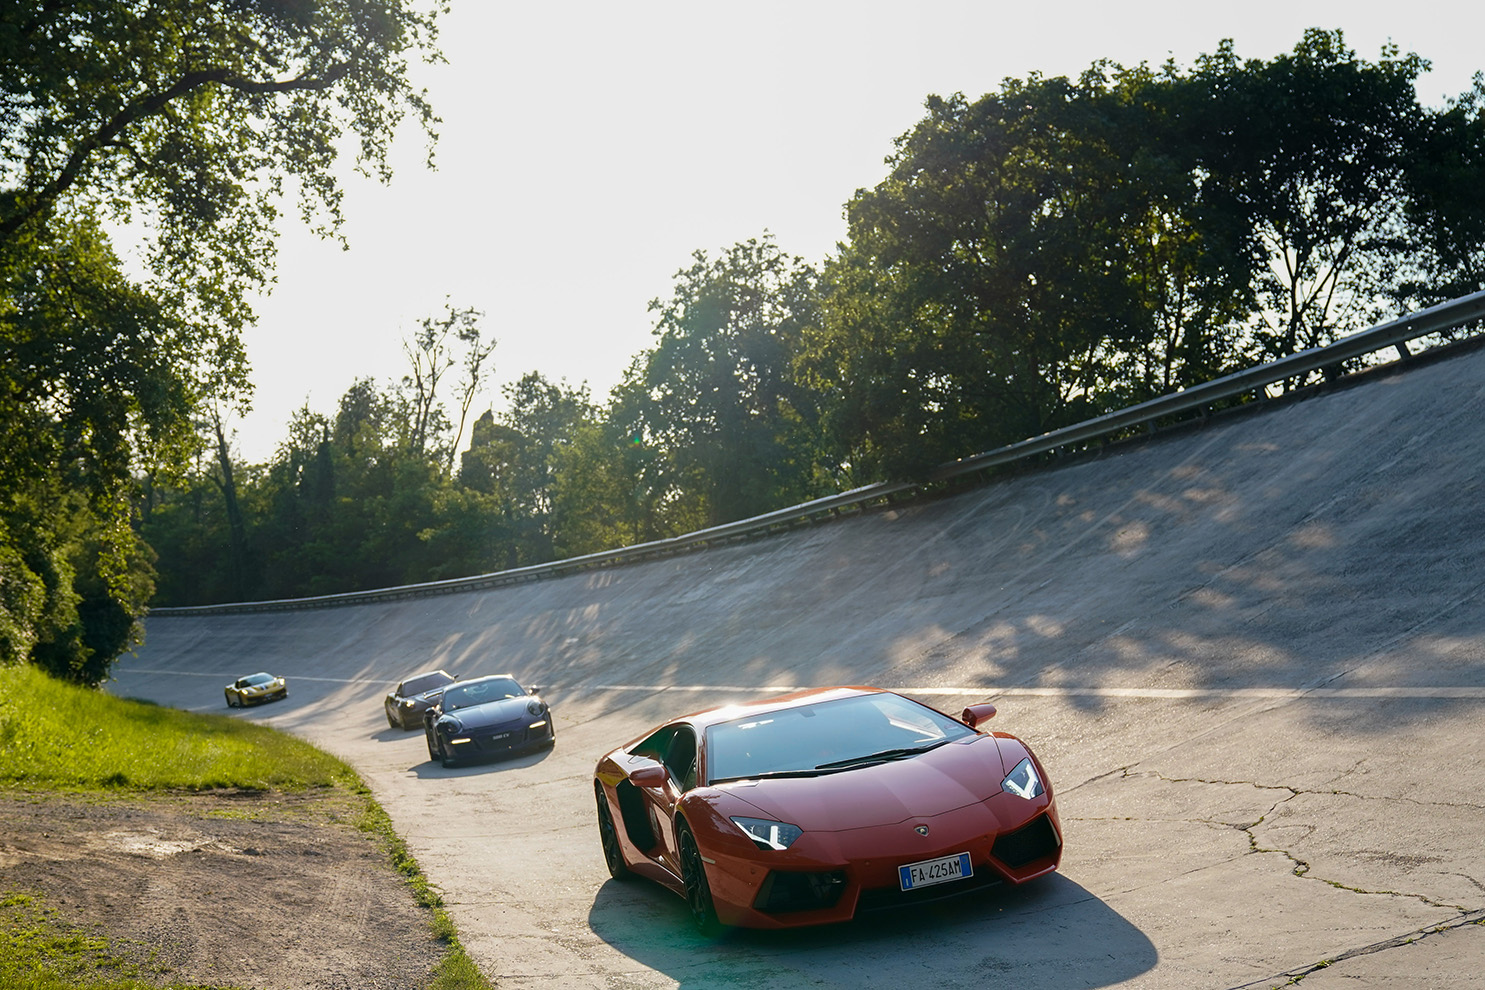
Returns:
(433, 770)
(1051, 933)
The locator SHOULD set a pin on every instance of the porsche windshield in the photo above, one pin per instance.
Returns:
(826, 737)
(425, 682)
(480, 693)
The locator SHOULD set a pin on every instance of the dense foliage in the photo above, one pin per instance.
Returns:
(1039, 255)
(1063, 247)
(179, 124)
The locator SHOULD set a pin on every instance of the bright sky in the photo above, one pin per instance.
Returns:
(587, 149)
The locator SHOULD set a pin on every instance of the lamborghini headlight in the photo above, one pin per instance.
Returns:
(768, 834)
(1024, 782)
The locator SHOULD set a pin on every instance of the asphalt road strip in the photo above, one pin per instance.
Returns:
(986, 691)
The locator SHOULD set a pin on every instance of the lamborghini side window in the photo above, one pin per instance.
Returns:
(656, 746)
(681, 757)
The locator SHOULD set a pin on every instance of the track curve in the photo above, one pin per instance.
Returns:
(1251, 655)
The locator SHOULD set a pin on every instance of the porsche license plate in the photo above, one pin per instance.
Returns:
(932, 871)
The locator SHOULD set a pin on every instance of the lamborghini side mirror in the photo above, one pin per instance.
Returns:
(977, 715)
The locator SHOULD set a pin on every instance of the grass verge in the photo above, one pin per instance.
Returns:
(59, 737)
(39, 951)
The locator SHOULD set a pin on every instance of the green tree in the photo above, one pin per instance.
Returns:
(717, 395)
(1446, 202)
(1310, 155)
(488, 469)
(85, 380)
(432, 353)
(984, 293)
(1064, 247)
(187, 121)
(541, 416)
(183, 520)
(600, 498)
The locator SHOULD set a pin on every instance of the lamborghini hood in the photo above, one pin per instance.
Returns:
(942, 780)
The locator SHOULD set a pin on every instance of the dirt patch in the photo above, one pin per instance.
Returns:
(272, 891)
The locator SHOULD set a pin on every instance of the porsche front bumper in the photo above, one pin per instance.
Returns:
(498, 740)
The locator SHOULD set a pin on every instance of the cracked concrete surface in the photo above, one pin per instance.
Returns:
(1191, 612)
(1321, 870)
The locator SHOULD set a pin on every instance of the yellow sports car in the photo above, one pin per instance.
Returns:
(254, 688)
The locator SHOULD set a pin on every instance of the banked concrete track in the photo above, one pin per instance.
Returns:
(1251, 654)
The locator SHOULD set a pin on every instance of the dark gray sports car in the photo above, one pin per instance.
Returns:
(487, 716)
(406, 703)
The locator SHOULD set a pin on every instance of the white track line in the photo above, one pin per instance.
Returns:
(220, 675)
(988, 691)
(991, 691)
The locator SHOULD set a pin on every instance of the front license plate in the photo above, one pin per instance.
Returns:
(932, 871)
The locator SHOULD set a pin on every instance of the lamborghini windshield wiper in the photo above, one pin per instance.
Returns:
(884, 756)
(770, 775)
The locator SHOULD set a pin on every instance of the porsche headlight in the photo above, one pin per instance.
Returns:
(535, 707)
(1024, 782)
(768, 834)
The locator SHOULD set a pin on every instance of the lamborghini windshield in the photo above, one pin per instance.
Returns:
(826, 737)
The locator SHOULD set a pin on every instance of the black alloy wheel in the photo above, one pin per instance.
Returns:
(392, 721)
(444, 756)
(608, 835)
(432, 746)
(698, 891)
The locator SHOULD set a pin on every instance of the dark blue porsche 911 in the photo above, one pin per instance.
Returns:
(487, 716)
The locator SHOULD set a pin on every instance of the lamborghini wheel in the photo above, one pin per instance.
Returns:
(698, 891)
(608, 835)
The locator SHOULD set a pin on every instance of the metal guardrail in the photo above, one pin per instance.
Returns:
(1396, 334)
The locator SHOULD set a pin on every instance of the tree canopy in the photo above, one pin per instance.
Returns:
(179, 126)
(1061, 247)
(716, 399)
